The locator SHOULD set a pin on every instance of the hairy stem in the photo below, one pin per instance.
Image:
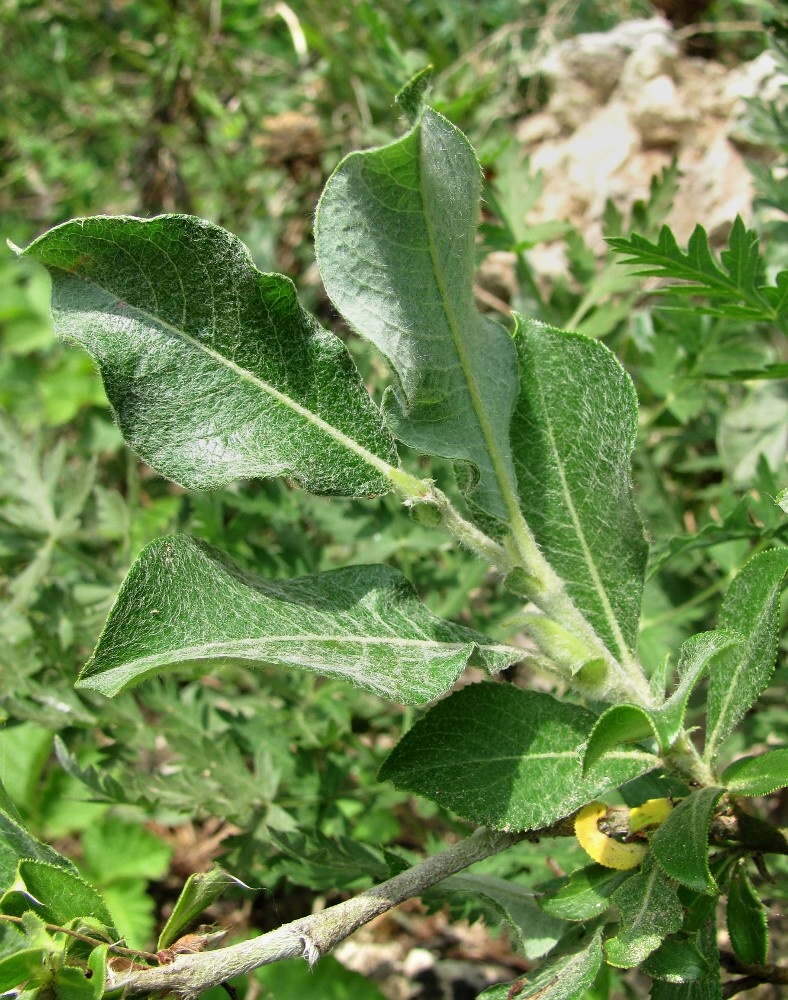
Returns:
(313, 936)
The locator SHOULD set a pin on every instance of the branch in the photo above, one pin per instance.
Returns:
(313, 936)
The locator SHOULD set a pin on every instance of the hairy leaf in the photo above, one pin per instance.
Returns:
(583, 894)
(184, 602)
(703, 987)
(758, 775)
(535, 930)
(565, 977)
(677, 960)
(214, 370)
(681, 843)
(395, 234)
(649, 910)
(200, 890)
(752, 608)
(746, 917)
(507, 758)
(16, 842)
(572, 435)
(55, 894)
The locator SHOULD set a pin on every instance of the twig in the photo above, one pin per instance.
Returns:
(313, 936)
(115, 948)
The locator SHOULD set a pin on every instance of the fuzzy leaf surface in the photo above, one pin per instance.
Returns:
(536, 931)
(573, 432)
(649, 910)
(583, 894)
(746, 919)
(16, 842)
(201, 889)
(395, 234)
(184, 603)
(760, 775)
(565, 977)
(214, 370)
(751, 607)
(506, 758)
(677, 960)
(681, 843)
(54, 894)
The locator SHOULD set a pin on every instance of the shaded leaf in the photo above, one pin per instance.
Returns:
(677, 960)
(572, 435)
(746, 918)
(760, 775)
(506, 758)
(536, 931)
(21, 967)
(681, 843)
(214, 370)
(650, 910)
(751, 607)
(705, 987)
(394, 235)
(565, 977)
(184, 603)
(583, 894)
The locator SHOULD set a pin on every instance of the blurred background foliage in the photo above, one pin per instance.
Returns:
(237, 111)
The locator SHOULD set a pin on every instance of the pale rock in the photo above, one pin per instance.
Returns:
(659, 115)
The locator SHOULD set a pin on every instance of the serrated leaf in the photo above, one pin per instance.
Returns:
(760, 775)
(681, 843)
(199, 891)
(54, 894)
(677, 960)
(394, 234)
(705, 987)
(214, 370)
(583, 894)
(565, 977)
(573, 431)
(746, 917)
(650, 910)
(536, 931)
(71, 983)
(97, 963)
(114, 850)
(16, 843)
(184, 602)
(751, 607)
(506, 758)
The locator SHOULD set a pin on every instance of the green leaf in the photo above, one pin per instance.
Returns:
(71, 983)
(705, 987)
(677, 960)
(184, 603)
(746, 916)
(17, 843)
(328, 979)
(572, 435)
(21, 967)
(760, 775)
(565, 977)
(200, 890)
(616, 726)
(54, 894)
(394, 234)
(583, 894)
(681, 843)
(114, 850)
(97, 963)
(628, 723)
(506, 758)
(752, 608)
(214, 370)
(650, 910)
(536, 931)
(735, 289)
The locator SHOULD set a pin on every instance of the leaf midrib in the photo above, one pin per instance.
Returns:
(607, 607)
(150, 318)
